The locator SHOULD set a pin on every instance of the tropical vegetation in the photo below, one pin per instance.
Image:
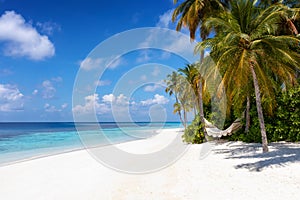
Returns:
(284, 125)
(255, 46)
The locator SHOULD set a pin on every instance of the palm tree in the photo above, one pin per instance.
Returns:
(177, 109)
(289, 19)
(173, 89)
(186, 98)
(247, 49)
(290, 3)
(194, 78)
(192, 14)
(178, 86)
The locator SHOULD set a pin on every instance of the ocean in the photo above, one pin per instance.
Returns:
(22, 141)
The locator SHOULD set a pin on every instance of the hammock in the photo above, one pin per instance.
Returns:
(215, 132)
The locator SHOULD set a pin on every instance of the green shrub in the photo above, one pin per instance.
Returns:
(284, 125)
(193, 133)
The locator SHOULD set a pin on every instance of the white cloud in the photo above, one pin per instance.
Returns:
(35, 92)
(170, 41)
(158, 99)
(151, 88)
(143, 57)
(57, 79)
(165, 19)
(111, 62)
(122, 100)
(22, 39)
(91, 104)
(90, 64)
(48, 89)
(109, 98)
(65, 105)
(177, 43)
(115, 100)
(148, 55)
(11, 99)
(206, 53)
(115, 107)
(115, 63)
(48, 27)
(102, 82)
(51, 108)
(155, 86)
(182, 45)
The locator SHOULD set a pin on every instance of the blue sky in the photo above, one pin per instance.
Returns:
(44, 45)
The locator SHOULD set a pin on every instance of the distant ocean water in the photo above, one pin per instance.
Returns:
(21, 141)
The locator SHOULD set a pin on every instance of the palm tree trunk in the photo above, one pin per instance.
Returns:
(259, 111)
(184, 118)
(200, 92)
(183, 122)
(247, 115)
(201, 110)
(202, 54)
(179, 113)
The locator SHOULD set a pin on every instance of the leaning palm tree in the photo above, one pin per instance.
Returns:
(179, 87)
(172, 83)
(246, 49)
(186, 98)
(192, 14)
(194, 78)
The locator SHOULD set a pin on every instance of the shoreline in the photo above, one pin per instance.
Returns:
(231, 170)
(83, 148)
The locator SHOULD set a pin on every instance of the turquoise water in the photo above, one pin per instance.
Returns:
(21, 141)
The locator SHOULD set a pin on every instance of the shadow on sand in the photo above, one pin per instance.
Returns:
(279, 156)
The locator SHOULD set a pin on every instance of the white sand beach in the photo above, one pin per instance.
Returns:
(231, 170)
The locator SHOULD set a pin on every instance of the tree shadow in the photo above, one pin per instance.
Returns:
(280, 155)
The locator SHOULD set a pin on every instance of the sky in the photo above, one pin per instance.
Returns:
(70, 60)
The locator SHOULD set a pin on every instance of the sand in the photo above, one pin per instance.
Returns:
(230, 170)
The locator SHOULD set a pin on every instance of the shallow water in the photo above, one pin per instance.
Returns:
(20, 141)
